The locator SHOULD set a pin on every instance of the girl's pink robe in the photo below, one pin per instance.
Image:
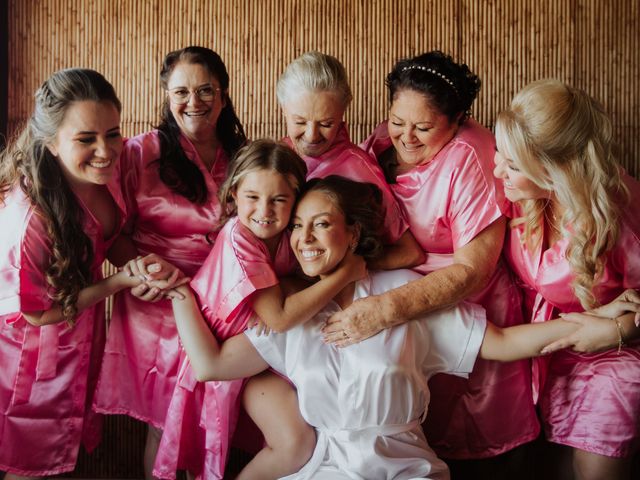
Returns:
(202, 416)
(142, 354)
(347, 160)
(47, 374)
(588, 401)
(448, 202)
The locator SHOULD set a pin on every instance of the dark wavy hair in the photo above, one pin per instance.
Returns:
(361, 205)
(261, 154)
(451, 87)
(28, 163)
(176, 170)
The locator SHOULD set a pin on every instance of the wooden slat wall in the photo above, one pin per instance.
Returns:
(589, 43)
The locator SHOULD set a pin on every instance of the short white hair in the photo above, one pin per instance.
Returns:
(314, 71)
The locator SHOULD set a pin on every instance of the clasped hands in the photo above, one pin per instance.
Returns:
(598, 330)
(158, 278)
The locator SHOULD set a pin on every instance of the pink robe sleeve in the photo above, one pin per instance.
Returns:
(473, 205)
(25, 257)
(238, 265)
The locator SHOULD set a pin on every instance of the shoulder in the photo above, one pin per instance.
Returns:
(378, 141)
(472, 145)
(142, 149)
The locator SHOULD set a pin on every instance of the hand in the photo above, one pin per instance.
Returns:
(596, 333)
(359, 321)
(156, 290)
(152, 267)
(627, 301)
(261, 327)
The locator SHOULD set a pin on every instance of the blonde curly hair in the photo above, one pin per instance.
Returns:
(561, 139)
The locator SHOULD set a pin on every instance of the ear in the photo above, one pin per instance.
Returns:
(356, 233)
(53, 150)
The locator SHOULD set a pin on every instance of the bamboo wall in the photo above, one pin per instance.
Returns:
(591, 44)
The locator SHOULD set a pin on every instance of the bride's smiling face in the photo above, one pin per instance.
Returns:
(320, 236)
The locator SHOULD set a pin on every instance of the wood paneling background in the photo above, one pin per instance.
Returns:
(592, 44)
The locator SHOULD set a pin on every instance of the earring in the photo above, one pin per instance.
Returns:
(353, 246)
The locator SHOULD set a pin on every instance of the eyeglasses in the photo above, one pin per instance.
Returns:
(182, 95)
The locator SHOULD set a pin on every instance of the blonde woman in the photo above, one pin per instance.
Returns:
(575, 244)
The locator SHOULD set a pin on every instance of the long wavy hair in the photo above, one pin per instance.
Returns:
(28, 164)
(561, 139)
(176, 170)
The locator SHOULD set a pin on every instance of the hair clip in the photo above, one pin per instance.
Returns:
(433, 72)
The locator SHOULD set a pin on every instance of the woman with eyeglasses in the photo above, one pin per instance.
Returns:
(171, 177)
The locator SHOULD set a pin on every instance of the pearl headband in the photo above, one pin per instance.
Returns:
(433, 72)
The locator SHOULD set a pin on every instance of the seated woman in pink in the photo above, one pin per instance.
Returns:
(60, 211)
(170, 182)
(240, 277)
(439, 165)
(314, 93)
(575, 244)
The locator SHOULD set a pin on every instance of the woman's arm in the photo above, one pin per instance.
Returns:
(405, 253)
(598, 329)
(472, 268)
(522, 341)
(280, 312)
(87, 297)
(237, 358)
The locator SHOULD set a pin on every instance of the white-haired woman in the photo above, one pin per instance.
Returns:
(314, 94)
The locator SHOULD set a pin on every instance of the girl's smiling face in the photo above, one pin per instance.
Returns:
(264, 200)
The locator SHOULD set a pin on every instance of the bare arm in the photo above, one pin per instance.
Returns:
(598, 328)
(87, 297)
(405, 253)
(237, 358)
(280, 312)
(522, 341)
(472, 267)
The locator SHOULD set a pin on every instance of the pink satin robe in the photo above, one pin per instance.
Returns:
(48, 374)
(588, 401)
(202, 416)
(448, 202)
(142, 353)
(346, 159)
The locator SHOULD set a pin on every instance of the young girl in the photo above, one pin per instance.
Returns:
(240, 277)
(60, 211)
(366, 400)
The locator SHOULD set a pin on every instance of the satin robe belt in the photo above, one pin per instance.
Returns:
(39, 351)
(542, 311)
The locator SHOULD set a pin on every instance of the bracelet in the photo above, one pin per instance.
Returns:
(620, 336)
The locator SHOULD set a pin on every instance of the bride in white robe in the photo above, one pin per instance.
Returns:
(366, 401)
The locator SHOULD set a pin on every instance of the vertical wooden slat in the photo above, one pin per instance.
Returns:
(588, 43)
